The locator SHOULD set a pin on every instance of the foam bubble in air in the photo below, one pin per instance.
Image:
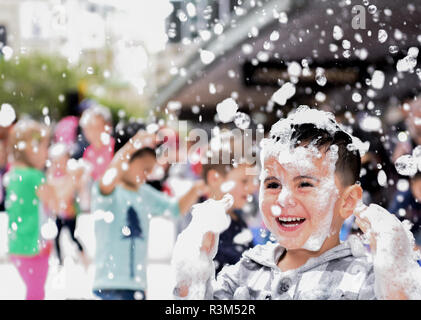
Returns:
(207, 56)
(49, 230)
(286, 92)
(244, 237)
(57, 150)
(377, 79)
(227, 110)
(7, 115)
(406, 165)
(409, 62)
(227, 186)
(109, 176)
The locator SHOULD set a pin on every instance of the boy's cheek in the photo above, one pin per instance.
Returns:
(266, 206)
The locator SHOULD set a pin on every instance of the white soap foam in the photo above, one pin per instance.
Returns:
(7, 115)
(244, 237)
(226, 110)
(191, 265)
(394, 260)
(377, 79)
(57, 150)
(109, 176)
(227, 186)
(406, 165)
(286, 92)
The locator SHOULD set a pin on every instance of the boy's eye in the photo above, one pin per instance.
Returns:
(305, 184)
(273, 185)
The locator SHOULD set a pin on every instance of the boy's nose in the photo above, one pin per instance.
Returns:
(286, 199)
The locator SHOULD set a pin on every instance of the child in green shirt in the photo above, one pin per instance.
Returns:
(26, 189)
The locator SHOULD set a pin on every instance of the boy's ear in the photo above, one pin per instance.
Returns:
(350, 198)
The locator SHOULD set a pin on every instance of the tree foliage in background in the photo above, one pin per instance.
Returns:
(30, 82)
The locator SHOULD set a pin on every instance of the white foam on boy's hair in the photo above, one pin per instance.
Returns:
(190, 264)
(281, 132)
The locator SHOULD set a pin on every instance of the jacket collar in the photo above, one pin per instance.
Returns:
(269, 254)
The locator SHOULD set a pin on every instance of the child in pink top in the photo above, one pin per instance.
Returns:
(99, 158)
(96, 125)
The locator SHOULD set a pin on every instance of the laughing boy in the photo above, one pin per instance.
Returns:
(308, 187)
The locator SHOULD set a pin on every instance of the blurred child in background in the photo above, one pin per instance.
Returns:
(123, 205)
(4, 162)
(236, 176)
(96, 124)
(69, 178)
(25, 192)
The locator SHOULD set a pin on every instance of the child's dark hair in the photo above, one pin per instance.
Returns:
(222, 169)
(124, 132)
(228, 159)
(348, 165)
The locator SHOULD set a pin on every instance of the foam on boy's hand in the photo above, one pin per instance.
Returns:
(210, 216)
(191, 265)
(394, 260)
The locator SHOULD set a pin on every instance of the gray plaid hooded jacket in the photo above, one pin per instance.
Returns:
(340, 273)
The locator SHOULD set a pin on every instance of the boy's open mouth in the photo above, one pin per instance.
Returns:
(290, 223)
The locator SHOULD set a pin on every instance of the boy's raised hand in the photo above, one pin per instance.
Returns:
(213, 218)
(197, 245)
(384, 229)
(198, 189)
(208, 242)
(397, 273)
(143, 139)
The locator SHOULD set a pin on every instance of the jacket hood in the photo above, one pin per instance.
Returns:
(268, 255)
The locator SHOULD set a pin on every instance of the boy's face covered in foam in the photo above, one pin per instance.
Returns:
(298, 195)
(302, 199)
